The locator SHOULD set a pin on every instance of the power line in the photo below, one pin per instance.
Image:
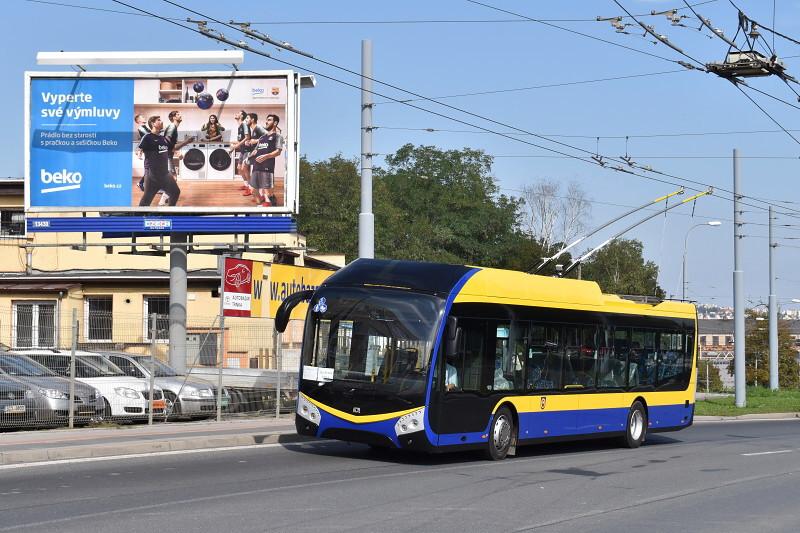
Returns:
(546, 86)
(342, 22)
(604, 137)
(541, 21)
(595, 159)
(661, 38)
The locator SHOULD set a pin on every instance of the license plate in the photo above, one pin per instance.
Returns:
(159, 404)
(13, 409)
(86, 411)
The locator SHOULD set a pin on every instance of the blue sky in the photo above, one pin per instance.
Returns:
(489, 53)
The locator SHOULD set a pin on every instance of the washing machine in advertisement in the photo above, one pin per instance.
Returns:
(194, 164)
(221, 164)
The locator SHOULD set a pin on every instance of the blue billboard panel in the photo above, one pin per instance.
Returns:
(177, 142)
(80, 142)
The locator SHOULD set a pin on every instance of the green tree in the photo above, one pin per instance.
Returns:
(620, 268)
(757, 355)
(444, 205)
(329, 205)
(710, 383)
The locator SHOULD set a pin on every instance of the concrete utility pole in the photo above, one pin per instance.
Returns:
(738, 290)
(366, 219)
(177, 304)
(773, 314)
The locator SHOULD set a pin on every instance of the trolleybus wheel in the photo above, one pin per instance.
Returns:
(636, 428)
(501, 433)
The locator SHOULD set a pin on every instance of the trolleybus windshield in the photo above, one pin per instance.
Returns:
(376, 342)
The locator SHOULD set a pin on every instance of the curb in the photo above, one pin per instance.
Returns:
(753, 416)
(39, 455)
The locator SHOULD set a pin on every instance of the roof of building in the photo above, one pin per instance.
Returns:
(724, 326)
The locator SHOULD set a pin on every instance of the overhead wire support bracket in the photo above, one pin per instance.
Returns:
(245, 28)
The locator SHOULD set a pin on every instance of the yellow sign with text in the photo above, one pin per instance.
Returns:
(285, 280)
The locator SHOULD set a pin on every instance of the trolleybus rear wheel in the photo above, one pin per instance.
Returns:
(636, 428)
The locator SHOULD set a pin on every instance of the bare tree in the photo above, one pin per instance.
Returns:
(551, 217)
(575, 211)
(541, 214)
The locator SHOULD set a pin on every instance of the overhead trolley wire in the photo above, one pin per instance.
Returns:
(241, 45)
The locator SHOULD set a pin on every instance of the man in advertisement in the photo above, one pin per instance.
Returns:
(242, 138)
(270, 146)
(256, 132)
(157, 176)
(171, 135)
(141, 130)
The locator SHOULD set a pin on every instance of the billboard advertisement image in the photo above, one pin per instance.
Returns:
(213, 142)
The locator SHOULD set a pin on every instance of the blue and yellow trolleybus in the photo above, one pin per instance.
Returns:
(437, 357)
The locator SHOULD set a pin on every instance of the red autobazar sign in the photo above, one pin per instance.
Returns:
(242, 283)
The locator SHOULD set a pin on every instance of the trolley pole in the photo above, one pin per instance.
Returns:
(773, 314)
(738, 288)
(366, 219)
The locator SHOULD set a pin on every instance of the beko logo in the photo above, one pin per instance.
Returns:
(63, 179)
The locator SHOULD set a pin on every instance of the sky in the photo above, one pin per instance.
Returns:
(681, 122)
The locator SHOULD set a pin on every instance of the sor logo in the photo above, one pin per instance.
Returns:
(257, 91)
(238, 276)
(63, 179)
(276, 91)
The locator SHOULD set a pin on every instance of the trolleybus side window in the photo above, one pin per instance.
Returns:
(509, 355)
(644, 356)
(581, 354)
(671, 357)
(613, 359)
(544, 358)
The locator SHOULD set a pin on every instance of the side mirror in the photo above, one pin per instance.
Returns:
(285, 310)
(451, 336)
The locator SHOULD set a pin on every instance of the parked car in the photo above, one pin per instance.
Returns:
(185, 395)
(52, 391)
(124, 397)
(17, 403)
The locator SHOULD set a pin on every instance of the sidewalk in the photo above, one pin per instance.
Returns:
(59, 444)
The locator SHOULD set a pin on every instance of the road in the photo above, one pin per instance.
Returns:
(718, 476)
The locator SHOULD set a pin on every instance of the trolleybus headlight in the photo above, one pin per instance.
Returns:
(411, 422)
(307, 410)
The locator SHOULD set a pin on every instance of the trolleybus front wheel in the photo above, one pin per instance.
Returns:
(501, 433)
(636, 429)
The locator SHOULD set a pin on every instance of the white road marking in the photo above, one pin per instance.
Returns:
(766, 453)
(156, 454)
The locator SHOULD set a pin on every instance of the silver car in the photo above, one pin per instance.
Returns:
(17, 403)
(185, 395)
(52, 392)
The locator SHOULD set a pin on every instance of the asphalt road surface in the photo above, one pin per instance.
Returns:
(719, 476)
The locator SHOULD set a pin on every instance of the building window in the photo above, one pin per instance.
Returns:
(98, 318)
(12, 223)
(34, 325)
(715, 340)
(158, 305)
(702, 340)
(729, 340)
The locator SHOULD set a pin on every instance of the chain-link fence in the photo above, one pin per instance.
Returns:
(65, 367)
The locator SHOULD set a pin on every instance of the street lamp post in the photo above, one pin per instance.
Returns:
(712, 223)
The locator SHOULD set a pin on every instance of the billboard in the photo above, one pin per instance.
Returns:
(285, 280)
(162, 142)
(242, 288)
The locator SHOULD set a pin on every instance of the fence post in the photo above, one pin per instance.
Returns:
(277, 337)
(72, 368)
(708, 378)
(221, 360)
(153, 331)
